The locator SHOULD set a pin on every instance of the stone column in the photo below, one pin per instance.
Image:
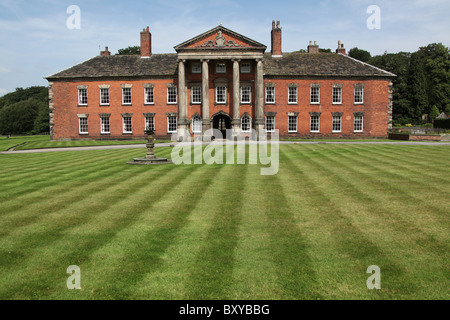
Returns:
(259, 96)
(206, 122)
(182, 99)
(236, 123)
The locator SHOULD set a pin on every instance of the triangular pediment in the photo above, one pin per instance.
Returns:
(220, 38)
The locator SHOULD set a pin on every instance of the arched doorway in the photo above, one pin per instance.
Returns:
(222, 122)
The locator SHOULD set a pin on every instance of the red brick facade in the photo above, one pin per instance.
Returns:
(374, 112)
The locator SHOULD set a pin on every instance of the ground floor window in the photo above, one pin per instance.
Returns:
(292, 124)
(337, 123)
(358, 125)
(315, 123)
(150, 123)
(104, 123)
(127, 125)
(197, 124)
(270, 123)
(245, 124)
(171, 124)
(83, 125)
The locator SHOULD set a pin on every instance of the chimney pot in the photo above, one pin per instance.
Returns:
(105, 53)
(340, 49)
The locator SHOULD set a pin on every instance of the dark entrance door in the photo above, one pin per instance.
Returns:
(222, 123)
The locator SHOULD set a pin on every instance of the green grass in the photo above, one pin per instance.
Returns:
(43, 142)
(225, 231)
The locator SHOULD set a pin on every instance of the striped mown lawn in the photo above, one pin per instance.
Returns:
(225, 231)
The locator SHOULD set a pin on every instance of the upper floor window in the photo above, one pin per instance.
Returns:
(221, 94)
(359, 94)
(337, 94)
(104, 96)
(149, 95)
(126, 95)
(246, 94)
(270, 94)
(315, 95)
(172, 95)
(245, 67)
(196, 95)
(292, 96)
(196, 67)
(82, 97)
(221, 67)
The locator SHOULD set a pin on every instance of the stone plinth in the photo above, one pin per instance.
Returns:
(150, 158)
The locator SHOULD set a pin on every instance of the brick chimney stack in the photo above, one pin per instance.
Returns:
(313, 48)
(146, 43)
(340, 49)
(105, 53)
(276, 39)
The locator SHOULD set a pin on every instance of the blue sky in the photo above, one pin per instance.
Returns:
(35, 41)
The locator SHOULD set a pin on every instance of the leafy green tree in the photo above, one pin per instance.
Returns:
(19, 118)
(434, 113)
(131, 50)
(360, 54)
(41, 123)
(37, 92)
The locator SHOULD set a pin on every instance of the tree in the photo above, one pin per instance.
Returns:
(132, 50)
(19, 118)
(37, 92)
(41, 123)
(434, 113)
(359, 54)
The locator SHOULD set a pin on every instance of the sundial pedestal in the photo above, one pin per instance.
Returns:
(150, 157)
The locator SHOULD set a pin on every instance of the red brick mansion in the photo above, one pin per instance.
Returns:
(224, 80)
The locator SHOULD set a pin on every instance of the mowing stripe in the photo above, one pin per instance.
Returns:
(136, 250)
(346, 238)
(65, 245)
(211, 275)
(373, 215)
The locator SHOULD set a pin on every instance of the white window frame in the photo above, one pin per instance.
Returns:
(311, 123)
(150, 123)
(125, 124)
(360, 95)
(248, 94)
(174, 122)
(337, 93)
(126, 95)
(246, 67)
(224, 94)
(268, 120)
(103, 125)
(103, 95)
(82, 95)
(289, 123)
(248, 124)
(337, 120)
(197, 124)
(361, 124)
(83, 126)
(196, 67)
(292, 95)
(149, 96)
(197, 95)
(172, 93)
(267, 95)
(318, 95)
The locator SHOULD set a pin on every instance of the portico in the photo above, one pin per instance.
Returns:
(214, 51)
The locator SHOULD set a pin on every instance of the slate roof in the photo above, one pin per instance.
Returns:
(122, 66)
(320, 64)
(291, 64)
